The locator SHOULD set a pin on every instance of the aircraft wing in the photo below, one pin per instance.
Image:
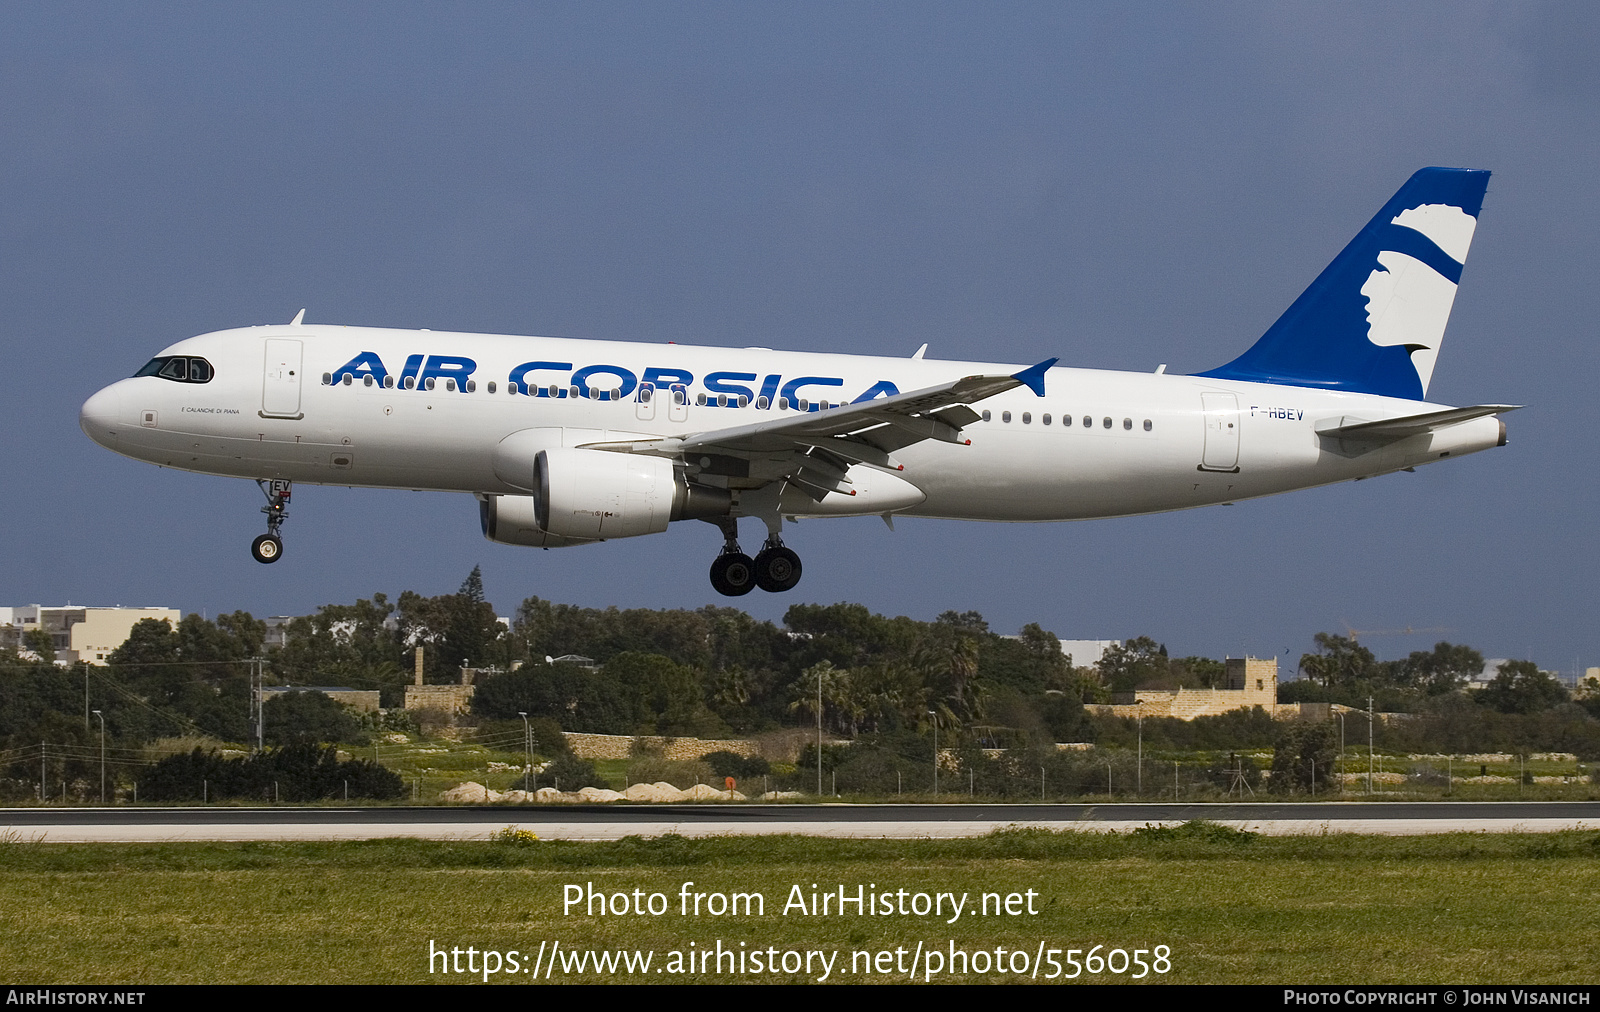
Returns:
(814, 449)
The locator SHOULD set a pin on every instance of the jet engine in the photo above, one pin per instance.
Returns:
(510, 520)
(581, 496)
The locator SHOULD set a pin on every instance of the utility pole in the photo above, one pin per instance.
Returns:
(1369, 744)
(819, 731)
(935, 717)
(261, 704)
(527, 750)
(1138, 776)
(1341, 751)
(102, 717)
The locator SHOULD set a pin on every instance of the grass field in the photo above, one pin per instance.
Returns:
(1229, 907)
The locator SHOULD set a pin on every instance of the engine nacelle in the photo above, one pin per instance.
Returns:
(590, 495)
(511, 520)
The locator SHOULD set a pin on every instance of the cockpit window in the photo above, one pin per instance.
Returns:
(179, 368)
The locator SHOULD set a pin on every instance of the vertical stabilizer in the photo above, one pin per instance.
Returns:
(1373, 320)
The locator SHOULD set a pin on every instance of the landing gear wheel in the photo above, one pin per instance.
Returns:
(777, 569)
(733, 574)
(267, 548)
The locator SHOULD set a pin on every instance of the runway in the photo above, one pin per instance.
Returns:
(924, 821)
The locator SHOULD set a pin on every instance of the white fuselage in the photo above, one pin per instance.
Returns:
(1096, 444)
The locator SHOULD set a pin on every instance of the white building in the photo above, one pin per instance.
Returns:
(1087, 653)
(78, 633)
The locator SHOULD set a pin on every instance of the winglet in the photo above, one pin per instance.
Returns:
(297, 318)
(1033, 376)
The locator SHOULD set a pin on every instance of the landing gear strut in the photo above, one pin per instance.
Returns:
(732, 573)
(269, 546)
(775, 568)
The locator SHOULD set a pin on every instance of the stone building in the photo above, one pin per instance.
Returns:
(1249, 681)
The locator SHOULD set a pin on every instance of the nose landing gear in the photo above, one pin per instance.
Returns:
(269, 546)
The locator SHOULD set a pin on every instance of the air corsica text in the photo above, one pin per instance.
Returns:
(601, 381)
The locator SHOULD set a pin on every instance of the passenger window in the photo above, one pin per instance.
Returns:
(1147, 425)
(1027, 417)
(1046, 418)
(986, 416)
(1005, 416)
(388, 384)
(428, 385)
(367, 380)
(491, 386)
(1127, 425)
(1106, 421)
(1088, 422)
(762, 403)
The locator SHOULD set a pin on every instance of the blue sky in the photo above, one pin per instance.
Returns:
(1120, 186)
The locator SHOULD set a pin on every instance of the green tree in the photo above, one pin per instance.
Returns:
(1137, 663)
(1302, 757)
(1339, 660)
(41, 644)
(579, 699)
(193, 677)
(1446, 668)
(472, 631)
(1520, 687)
(344, 644)
(302, 717)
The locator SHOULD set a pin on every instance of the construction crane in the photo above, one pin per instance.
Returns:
(1356, 634)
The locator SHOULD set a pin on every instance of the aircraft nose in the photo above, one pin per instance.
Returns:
(101, 416)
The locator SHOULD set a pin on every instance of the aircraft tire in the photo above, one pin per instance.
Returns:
(733, 575)
(777, 570)
(267, 548)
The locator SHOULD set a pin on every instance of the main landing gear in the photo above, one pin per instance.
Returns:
(775, 568)
(269, 546)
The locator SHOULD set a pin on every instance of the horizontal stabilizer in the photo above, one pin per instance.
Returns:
(1389, 429)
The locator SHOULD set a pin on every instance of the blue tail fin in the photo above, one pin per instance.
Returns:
(1373, 320)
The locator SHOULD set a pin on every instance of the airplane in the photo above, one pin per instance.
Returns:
(569, 442)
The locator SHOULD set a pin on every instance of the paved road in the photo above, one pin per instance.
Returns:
(606, 822)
